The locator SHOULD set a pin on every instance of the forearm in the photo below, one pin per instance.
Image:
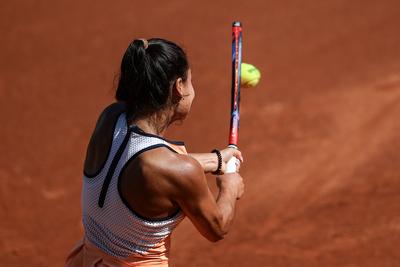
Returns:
(208, 161)
(226, 202)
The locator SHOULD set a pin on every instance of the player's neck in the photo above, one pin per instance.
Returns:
(156, 123)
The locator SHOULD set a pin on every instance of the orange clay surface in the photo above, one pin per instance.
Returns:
(320, 134)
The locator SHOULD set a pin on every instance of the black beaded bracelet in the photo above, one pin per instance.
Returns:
(218, 171)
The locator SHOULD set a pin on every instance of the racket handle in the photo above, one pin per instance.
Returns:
(231, 166)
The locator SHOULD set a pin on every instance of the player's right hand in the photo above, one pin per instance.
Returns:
(232, 182)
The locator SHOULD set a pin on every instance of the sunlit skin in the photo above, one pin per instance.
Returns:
(160, 181)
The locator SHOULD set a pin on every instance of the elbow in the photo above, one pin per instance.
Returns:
(221, 229)
(218, 234)
(216, 237)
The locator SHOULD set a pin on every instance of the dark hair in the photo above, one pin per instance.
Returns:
(148, 72)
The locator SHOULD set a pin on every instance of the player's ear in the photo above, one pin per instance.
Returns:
(177, 90)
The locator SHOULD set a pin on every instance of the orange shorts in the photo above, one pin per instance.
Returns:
(85, 254)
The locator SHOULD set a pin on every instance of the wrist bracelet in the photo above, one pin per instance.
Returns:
(218, 171)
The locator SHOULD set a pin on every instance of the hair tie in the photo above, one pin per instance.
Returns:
(145, 43)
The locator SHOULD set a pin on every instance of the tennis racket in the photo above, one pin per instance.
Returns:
(235, 92)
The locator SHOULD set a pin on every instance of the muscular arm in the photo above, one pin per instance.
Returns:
(212, 217)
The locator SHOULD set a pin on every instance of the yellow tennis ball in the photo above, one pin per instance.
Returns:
(250, 75)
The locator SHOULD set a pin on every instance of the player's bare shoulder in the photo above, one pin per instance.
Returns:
(168, 163)
(176, 170)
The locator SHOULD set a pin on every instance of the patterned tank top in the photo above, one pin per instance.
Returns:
(109, 223)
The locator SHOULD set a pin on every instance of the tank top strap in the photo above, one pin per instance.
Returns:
(111, 169)
(176, 146)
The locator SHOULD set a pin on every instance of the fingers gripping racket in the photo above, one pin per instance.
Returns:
(235, 95)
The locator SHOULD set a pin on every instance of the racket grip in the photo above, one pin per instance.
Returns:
(231, 165)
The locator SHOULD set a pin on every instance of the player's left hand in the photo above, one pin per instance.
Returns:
(227, 154)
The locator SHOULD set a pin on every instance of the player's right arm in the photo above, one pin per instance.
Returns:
(212, 217)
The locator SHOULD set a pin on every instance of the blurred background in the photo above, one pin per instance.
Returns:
(320, 134)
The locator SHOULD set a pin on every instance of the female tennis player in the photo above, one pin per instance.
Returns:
(137, 185)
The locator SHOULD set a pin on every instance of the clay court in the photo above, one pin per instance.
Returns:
(320, 133)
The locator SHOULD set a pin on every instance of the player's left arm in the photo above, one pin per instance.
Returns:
(209, 161)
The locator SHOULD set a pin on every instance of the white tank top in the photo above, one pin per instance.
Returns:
(109, 222)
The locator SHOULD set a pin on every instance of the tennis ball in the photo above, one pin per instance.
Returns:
(250, 75)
